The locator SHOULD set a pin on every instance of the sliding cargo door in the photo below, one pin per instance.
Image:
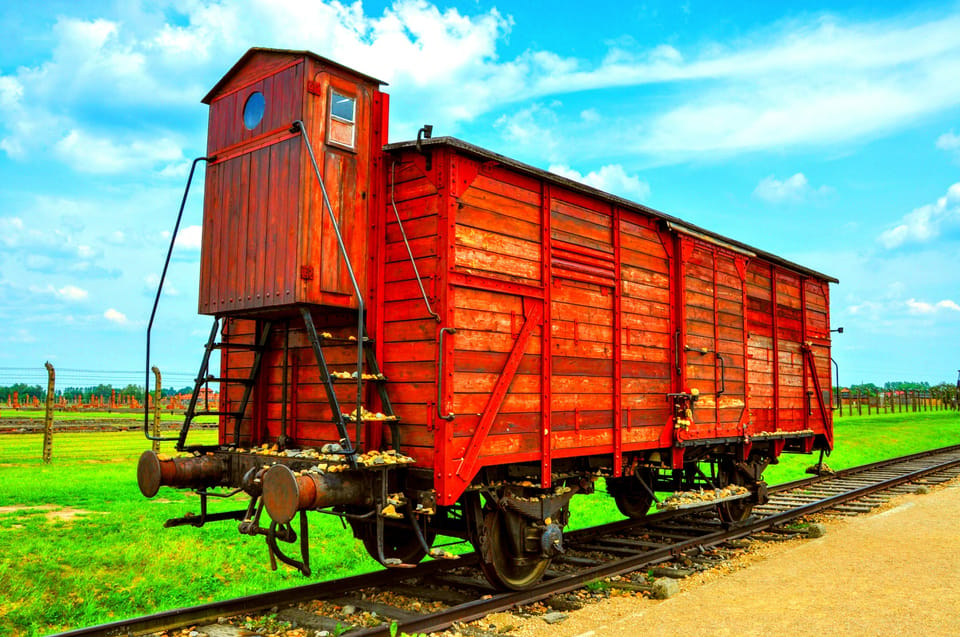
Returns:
(711, 341)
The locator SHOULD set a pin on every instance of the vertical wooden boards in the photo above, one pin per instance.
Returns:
(266, 195)
(817, 335)
(730, 328)
(761, 358)
(309, 419)
(714, 337)
(282, 89)
(792, 402)
(646, 338)
(699, 335)
(785, 312)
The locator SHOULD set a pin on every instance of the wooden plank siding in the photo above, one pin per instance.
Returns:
(779, 324)
(568, 317)
(268, 240)
(714, 348)
(409, 350)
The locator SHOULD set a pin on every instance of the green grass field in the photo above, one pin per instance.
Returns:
(113, 559)
(166, 418)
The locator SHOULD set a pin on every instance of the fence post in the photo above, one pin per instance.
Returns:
(156, 408)
(48, 418)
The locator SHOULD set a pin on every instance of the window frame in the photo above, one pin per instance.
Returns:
(331, 118)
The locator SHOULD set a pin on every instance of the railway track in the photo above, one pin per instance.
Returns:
(591, 554)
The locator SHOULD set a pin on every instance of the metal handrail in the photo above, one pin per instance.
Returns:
(298, 126)
(156, 302)
(440, 413)
(416, 272)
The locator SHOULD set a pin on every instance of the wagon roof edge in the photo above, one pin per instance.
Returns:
(676, 222)
(292, 52)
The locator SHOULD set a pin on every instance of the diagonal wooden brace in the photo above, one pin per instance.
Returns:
(467, 468)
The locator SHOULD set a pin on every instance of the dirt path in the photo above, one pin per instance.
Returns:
(895, 572)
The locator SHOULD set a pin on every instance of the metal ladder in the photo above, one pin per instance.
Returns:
(204, 378)
(370, 368)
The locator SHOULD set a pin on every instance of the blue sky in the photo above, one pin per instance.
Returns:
(827, 133)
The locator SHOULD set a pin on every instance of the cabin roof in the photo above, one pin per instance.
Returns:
(674, 222)
(292, 53)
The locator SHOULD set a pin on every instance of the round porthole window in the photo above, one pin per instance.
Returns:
(253, 110)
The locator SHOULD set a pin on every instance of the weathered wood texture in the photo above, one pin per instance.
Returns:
(568, 317)
(268, 241)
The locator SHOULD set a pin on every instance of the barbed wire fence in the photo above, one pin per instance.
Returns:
(39, 426)
(110, 403)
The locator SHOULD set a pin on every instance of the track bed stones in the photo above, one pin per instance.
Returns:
(665, 588)
(670, 572)
(564, 603)
(554, 617)
(816, 529)
(299, 618)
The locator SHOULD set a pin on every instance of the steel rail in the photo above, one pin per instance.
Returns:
(171, 619)
(566, 583)
(504, 601)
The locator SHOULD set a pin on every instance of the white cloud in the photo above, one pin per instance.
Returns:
(791, 190)
(117, 238)
(919, 307)
(532, 128)
(864, 307)
(153, 280)
(926, 222)
(67, 292)
(949, 141)
(814, 81)
(611, 178)
(114, 316)
(21, 336)
(189, 238)
(72, 293)
(94, 154)
(86, 252)
(922, 307)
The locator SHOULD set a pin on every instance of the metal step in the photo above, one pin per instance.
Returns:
(234, 414)
(250, 347)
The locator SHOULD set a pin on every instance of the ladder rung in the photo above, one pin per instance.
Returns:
(235, 414)
(334, 340)
(224, 379)
(242, 346)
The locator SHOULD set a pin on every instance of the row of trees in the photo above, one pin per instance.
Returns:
(104, 391)
(870, 389)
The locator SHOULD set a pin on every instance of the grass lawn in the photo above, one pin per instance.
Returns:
(166, 418)
(111, 559)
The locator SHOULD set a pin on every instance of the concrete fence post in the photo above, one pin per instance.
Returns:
(48, 418)
(156, 408)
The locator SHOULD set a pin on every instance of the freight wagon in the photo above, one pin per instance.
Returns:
(428, 338)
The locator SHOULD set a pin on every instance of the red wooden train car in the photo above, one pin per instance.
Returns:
(427, 337)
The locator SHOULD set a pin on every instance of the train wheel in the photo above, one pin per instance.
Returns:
(633, 505)
(734, 510)
(631, 497)
(399, 543)
(499, 560)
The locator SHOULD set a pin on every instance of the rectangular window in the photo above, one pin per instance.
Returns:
(342, 107)
(342, 122)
